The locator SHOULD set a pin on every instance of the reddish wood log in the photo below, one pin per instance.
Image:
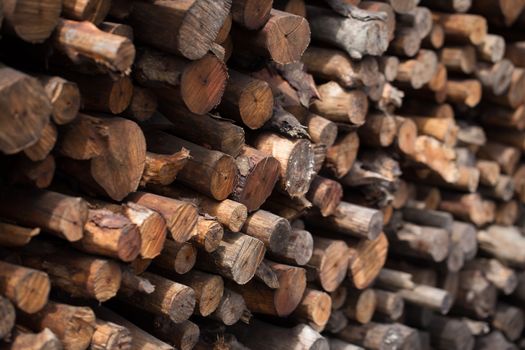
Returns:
(31, 21)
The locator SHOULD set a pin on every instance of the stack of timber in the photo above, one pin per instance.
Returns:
(258, 174)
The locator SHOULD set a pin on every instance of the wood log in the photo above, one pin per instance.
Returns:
(180, 216)
(26, 288)
(92, 11)
(384, 10)
(295, 157)
(507, 213)
(170, 298)
(394, 279)
(339, 297)
(44, 340)
(16, 236)
(77, 274)
(436, 38)
(336, 323)
(132, 283)
(361, 305)
(429, 297)
(407, 42)
(299, 249)
(271, 229)
(260, 335)
(58, 214)
(237, 257)
(336, 30)
(389, 305)
(379, 130)
(374, 335)
(459, 59)
(117, 29)
(37, 174)
(315, 308)
(341, 156)
(502, 190)
(449, 333)
(367, 258)
(515, 95)
(464, 235)
(258, 174)
(492, 49)
(466, 92)
(411, 72)
(464, 28)
(247, 100)
(506, 156)
(494, 340)
(83, 42)
(267, 275)
(340, 105)
(29, 21)
(142, 106)
(178, 257)
(64, 96)
(183, 335)
(22, 126)
(489, 172)
(110, 336)
(73, 325)
(476, 296)
(503, 243)
(330, 261)
(207, 131)
(230, 309)
(209, 234)
(210, 172)
(495, 77)
(229, 213)
(325, 194)
(149, 19)
(281, 301)
(509, 320)
(162, 169)
(450, 5)
(41, 149)
(468, 207)
(321, 130)
(351, 219)
(337, 344)
(109, 234)
(185, 81)
(141, 339)
(283, 38)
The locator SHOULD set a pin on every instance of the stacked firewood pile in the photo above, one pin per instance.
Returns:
(258, 174)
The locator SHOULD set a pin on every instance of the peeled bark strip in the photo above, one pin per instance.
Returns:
(109, 234)
(237, 257)
(178, 257)
(26, 288)
(340, 105)
(247, 100)
(78, 274)
(366, 259)
(31, 21)
(142, 106)
(25, 340)
(172, 299)
(184, 82)
(110, 336)
(73, 325)
(210, 172)
(64, 96)
(169, 26)
(22, 126)
(353, 220)
(325, 194)
(283, 38)
(162, 169)
(361, 306)
(281, 301)
(84, 42)
(261, 336)
(229, 213)
(58, 214)
(271, 229)
(330, 260)
(207, 131)
(258, 174)
(299, 249)
(230, 309)
(315, 308)
(295, 158)
(181, 217)
(356, 36)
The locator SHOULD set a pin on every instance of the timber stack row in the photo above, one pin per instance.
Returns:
(258, 174)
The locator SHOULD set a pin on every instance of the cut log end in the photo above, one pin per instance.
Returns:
(288, 37)
(256, 104)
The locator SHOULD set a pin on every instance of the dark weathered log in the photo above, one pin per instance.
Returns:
(37, 174)
(389, 305)
(231, 308)
(449, 333)
(178, 257)
(360, 305)
(271, 229)
(142, 106)
(494, 340)
(476, 296)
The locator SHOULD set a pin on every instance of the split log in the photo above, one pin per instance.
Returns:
(78, 274)
(210, 172)
(340, 105)
(237, 257)
(110, 336)
(171, 299)
(229, 213)
(150, 19)
(64, 96)
(73, 325)
(185, 79)
(58, 214)
(258, 174)
(83, 42)
(26, 288)
(283, 38)
(247, 100)
(207, 131)
(181, 217)
(178, 257)
(337, 30)
(230, 309)
(295, 158)
(361, 305)
(22, 127)
(162, 169)
(31, 21)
